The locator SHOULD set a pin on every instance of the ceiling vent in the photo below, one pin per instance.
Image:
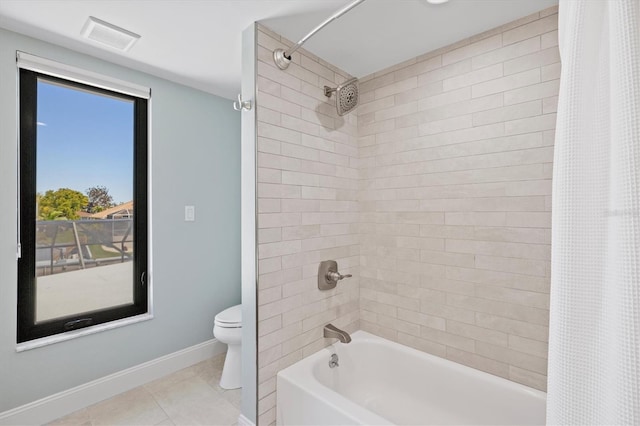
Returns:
(109, 35)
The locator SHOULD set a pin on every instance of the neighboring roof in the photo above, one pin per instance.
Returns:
(128, 206)
(84, 214)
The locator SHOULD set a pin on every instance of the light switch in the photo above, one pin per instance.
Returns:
(189, 213)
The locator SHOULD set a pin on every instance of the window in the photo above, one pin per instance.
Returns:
(83, 205)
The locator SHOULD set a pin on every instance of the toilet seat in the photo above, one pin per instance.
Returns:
(230, 317)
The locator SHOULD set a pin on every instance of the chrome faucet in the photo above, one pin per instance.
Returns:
(331, 331)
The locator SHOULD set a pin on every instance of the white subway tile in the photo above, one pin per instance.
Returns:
(516, 266)
(278, 249)
(529, 93)
(533, 60)
(530, 124)
(375, 105)
(549, 39)
(269, 235)
(518, 328)
(515, 50)
(397, 87)
(473, 49)
(532, 29)
(269, 265)
(476, 361)
(269, 175)
(269, 205)
(448, 71)
(418, 68)
(278, 133)
(529, 346)
(515, 358)
(503, 84)
(446, 98)
(496, 248)
(446, 125)
(550, 105)
(470, 331)
(435, 194)
(498, 278)
(421, 344)
(529, 220)
(528, 378)
(550, 72)
(317, 68)
(397, 111)
(527, 109)
(477, 76)
(515, 296)
(447, 339)
(275, 220)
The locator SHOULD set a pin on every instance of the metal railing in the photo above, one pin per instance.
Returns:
(64, 245)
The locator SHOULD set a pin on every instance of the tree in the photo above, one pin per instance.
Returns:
(62, 203)
(99, 199)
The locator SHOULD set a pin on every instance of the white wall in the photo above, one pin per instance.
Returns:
(196, 271)
(249, 260)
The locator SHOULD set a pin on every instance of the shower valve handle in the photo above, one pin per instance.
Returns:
(328, 275)
(336, 276)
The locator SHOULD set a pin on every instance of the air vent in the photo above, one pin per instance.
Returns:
(109, 35)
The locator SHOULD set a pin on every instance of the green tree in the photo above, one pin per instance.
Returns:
(62, 203)
(99, 199)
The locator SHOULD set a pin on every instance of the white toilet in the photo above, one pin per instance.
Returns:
(228, 329)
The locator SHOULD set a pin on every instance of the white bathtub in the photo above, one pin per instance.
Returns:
(381, 382)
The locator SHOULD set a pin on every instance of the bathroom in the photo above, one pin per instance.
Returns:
(432, 192)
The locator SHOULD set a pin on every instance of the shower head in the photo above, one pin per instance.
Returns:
(346, 95)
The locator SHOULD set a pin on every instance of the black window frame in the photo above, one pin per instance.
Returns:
(27, 328)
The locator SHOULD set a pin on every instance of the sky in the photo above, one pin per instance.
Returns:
(84, 140)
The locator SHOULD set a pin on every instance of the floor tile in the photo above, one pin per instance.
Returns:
(233, 396)
(194, 402)
(191, 396)
(170, 379)
(77, 418)
(210, 370)
(135, 407)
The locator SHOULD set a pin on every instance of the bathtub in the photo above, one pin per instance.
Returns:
(381, 382)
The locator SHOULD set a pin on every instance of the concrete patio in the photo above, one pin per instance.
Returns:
(84, 290)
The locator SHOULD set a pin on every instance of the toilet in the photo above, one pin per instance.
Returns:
(228, 329)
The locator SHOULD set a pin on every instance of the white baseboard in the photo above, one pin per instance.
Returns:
(243, 421)
(62, 403)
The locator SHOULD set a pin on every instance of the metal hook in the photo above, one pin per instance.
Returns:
(241, 105)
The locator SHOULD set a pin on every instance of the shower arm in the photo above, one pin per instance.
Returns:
(282, 58)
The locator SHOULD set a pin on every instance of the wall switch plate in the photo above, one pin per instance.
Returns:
(189, 213)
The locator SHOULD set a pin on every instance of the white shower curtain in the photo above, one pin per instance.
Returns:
(594, 337)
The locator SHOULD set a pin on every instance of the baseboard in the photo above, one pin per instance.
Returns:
(62, 403)
(243, 421)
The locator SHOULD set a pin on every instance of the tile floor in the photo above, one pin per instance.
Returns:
(190, 396)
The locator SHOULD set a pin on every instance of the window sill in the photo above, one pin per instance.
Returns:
(69, 335)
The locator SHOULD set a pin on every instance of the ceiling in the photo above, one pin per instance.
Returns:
(198, 42)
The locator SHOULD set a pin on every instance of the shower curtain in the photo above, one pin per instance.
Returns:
(594, 337)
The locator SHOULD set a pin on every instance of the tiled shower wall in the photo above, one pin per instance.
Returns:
(434, 193)
(307, 212)
(456, 148)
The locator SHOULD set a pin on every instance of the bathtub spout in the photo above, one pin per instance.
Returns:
(331, 331)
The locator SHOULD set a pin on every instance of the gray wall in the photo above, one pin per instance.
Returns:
(195, 160)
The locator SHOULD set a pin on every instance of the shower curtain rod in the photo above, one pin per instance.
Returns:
(282, 58)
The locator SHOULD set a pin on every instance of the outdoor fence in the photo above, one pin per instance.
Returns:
(65, 245)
